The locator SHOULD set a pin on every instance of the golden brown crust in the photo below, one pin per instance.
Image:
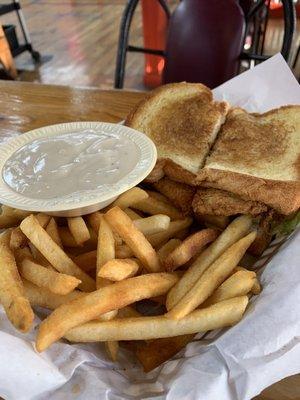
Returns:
(220, 202)
(157, 173)
(182, 120)
(283, 196)
(260, 140)
(154, 94)
(179, 174)
(275, 110)
(140, 107)
(179, 193)
(264, 234)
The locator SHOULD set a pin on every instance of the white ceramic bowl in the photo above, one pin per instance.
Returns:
(92, 200)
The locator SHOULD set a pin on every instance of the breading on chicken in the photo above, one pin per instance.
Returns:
(219, 202)
(180, 194)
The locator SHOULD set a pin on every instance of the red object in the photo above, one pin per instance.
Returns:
(204, 41)
(155, 25)
(274, 5)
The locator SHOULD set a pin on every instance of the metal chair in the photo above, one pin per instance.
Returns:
(257, 17)
(124, 47)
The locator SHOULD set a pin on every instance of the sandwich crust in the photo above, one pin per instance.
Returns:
(283, 196)
(182, 120)
(257, 156)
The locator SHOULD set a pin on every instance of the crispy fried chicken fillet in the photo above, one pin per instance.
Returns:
(219, 202)
(257, 157)
(183, 121)
(180, 194)
(264, 233)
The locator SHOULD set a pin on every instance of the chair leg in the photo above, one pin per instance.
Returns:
(123, 43)
(296, 57)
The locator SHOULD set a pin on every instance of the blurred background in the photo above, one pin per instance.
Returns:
(101, 42)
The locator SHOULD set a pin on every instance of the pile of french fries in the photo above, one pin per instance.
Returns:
(92, 271)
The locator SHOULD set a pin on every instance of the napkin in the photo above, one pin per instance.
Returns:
(233, 364)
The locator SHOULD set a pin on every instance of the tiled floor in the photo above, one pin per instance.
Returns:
(78, 38)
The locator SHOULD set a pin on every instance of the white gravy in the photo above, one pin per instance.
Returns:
(62, 165)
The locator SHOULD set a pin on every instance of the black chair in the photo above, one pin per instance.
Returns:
(124, 47)
(256, 19)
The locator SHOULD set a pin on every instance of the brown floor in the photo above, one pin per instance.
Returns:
(80, 38)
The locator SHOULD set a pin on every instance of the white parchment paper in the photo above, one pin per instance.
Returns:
(237, 365)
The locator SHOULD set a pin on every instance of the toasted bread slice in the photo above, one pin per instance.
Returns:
(219, 202)
(257, 156)
(180, 194)
(183, 121)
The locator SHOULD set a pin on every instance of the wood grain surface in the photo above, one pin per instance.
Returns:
(26, 106)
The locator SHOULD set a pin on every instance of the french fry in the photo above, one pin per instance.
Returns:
(238, 284)
(12, 295)
(153, 206)
(17, 237)
(158, 196)
(53, 232)
(158, 239)
(155, 352)
(41, 297)
(131, 214)
(190, 247)
(225, 313)
(10, 217)
(66, 237)
(117, 270)
(215, 274)
(37, 255)
(129, 198)
(78, 229)
(154, 224)
(118, 239)
(213, 220)
(94, 221)
(112, 348)
(105, 250)
(167, 248)
(53, 253)
(53, 281)
(22, 253)
(123, 251)
(140, 246)
(183, 234)
(235, 231)
(86, 261)
(106, 253)
(256, 288)
(106, 299)
(128, 312)
(43, 219)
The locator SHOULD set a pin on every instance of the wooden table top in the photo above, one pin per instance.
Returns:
(25, 106)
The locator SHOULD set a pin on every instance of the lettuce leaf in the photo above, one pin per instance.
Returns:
(287, 226)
